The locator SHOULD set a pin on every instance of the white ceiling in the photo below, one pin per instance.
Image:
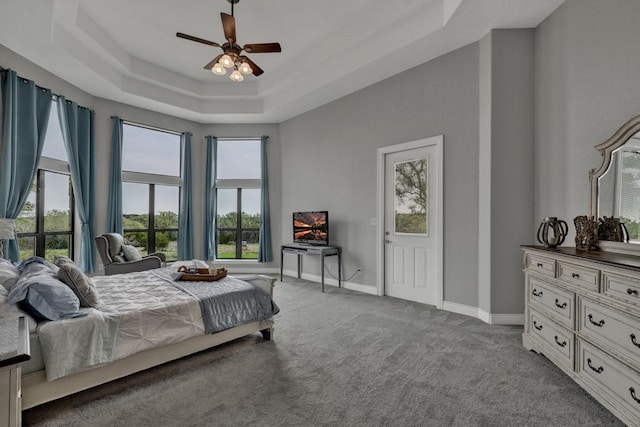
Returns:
(127, 51)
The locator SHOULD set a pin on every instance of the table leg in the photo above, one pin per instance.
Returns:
(299, 266)
(322, 269)
(281, 263)
(339, 269)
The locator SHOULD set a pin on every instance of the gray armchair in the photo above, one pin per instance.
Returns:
(110, 250)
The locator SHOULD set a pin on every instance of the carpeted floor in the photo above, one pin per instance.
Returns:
(345, 359)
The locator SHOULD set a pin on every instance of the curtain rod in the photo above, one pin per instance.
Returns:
(145, 126)
(55, 95)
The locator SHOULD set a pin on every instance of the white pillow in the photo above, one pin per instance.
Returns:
(131, 253)
(9, 274)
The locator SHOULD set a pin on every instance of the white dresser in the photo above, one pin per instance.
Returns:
(582, 311)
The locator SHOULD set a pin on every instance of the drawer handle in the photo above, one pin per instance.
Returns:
(539, 264)
(536, 293)
(575, 275)
(633, 340)
(597, 370)
(633, 394)
(562, 306)
(561, 344)
(632, 291)
(535, 325)
(598, 324)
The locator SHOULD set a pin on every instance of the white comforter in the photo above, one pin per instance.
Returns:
(139, 311)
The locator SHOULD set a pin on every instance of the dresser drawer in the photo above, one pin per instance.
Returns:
(553, 301)
(584, 277)
(621, 287)
(558, 341)
(617, 382)
(542, 265)
(612, 329)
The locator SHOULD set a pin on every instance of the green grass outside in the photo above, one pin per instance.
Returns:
(229, 251)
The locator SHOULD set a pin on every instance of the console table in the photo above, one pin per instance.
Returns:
(302, 249)
(14, 349)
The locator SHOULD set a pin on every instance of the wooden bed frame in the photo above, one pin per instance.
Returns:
(36, 390)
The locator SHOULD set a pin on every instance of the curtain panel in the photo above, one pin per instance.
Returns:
(77, 124)
(114, 209)
(185, 220)
(265, 253)
(26, 109)
(210, 199)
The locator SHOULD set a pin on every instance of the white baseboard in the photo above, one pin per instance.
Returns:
(492, 319)
(454, 307)
(328, 280)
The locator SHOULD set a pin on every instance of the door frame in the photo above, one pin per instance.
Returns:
(436, 141)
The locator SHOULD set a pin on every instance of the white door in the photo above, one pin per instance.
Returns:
(412, 225)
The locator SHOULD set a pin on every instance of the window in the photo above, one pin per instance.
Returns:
(45, 225)
(238, 167)
(151, 189)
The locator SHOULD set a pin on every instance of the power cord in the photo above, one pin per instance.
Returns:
(326, 269)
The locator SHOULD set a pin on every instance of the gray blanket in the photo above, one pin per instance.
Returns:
(226, 303)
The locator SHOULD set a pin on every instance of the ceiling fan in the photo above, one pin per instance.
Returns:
(231, 51)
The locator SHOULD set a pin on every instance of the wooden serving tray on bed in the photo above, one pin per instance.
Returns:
(203, 274)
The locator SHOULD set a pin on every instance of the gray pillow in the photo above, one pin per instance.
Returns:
(131, 253)
(71, 275)
(61, 259)
(119, 258)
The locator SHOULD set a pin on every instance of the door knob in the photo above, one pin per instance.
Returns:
(387, 241)
(386, 233)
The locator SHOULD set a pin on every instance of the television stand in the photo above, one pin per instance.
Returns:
(302, 249)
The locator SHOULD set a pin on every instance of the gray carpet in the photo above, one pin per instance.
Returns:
(345, 359)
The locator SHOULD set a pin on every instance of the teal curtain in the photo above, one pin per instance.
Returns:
(185, 221)
(210, 199)
(26, 109)
(77, 124)
(265, 253)
(114, 209)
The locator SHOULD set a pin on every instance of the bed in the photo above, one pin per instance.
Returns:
(142, 319)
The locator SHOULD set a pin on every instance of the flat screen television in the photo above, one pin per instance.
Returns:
(311, 227)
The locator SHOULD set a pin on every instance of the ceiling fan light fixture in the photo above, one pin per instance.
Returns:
(218, 69)
(236, 76)
(245, 68)
(226, 61)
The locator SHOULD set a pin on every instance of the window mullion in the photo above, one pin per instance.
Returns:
(239, 224)
(40, 238)
(151, 238)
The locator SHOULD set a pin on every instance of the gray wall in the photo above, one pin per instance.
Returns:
(329, 162)
(587, 73)
(505, 166)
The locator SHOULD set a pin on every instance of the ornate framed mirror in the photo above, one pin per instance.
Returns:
(615, 187)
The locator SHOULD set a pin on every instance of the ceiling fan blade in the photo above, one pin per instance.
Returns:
(229, 27)
(212, 63)
(197, 39)
(256, 70)
(262, 47)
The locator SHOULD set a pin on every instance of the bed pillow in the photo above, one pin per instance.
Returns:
(43, 296)
(61, 259)
(9, 274)
(131, 253)
(119, 258)
(71, 275)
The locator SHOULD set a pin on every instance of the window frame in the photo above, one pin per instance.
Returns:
(49, 165)
(152, 180)
(239, 185)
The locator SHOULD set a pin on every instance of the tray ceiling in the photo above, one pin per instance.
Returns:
(127, 51)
